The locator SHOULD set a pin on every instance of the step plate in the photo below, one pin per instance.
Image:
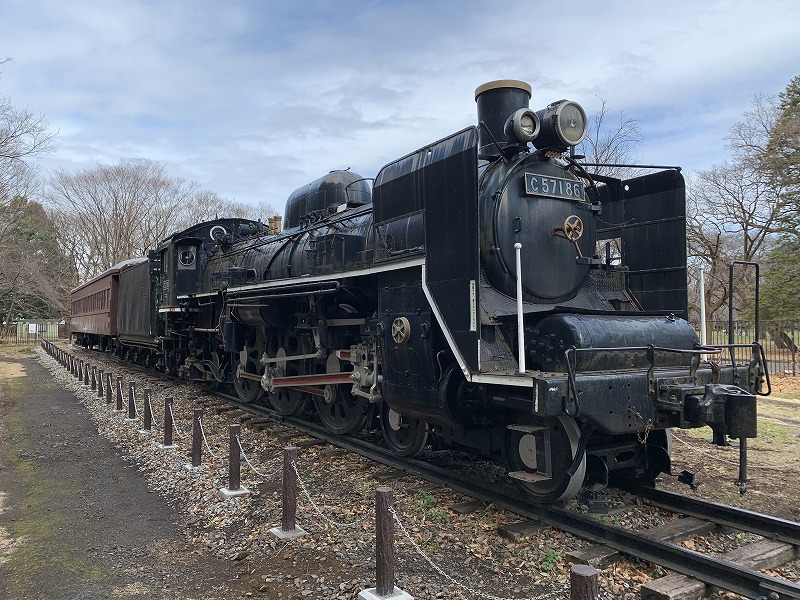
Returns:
(528, 477)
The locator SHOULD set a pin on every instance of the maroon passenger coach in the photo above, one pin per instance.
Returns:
(94, 308)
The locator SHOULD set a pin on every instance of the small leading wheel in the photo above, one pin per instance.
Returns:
(288, 402)
(405, 436)
(526, 455)
(247, 361)
(340, 411)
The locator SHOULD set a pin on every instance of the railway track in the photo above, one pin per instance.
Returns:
(713, 571)
(708, 570)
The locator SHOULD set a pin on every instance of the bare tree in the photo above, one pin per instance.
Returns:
(611, 143)
(110, 213)
(206, 206)
(23, 136)
(734, 209)
(25, 287)
(113, 212)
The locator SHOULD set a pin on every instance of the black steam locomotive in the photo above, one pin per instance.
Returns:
(486, 291)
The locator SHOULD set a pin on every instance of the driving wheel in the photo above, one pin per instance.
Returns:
(339, 410)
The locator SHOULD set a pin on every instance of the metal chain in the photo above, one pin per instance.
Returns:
(648, 426)
(153, 420)
(454, 581)
(203, 431)
(319, 510)
(247, 460)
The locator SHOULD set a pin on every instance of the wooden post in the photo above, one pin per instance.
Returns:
(168, 423)
(289, 528)
(289, 498)
(583, 583)
(94, 378)
(384, 542)
(119, 393)
(131, 400)
(99, 384)
(86, 373)
(234, 459)
(148, 413)
(197, 438)
(109, 394)
(235, 487)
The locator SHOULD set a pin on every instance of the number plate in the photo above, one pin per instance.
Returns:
(542, 185)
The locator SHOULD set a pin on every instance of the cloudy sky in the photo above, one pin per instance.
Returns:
(254, 98)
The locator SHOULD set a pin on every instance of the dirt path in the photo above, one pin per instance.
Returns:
(75, 520)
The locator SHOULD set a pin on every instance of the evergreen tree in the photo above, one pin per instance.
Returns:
(782, 158)
(34, 272)
(780, 298)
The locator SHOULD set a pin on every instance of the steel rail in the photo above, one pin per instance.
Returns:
(767, 526)
(715, 571)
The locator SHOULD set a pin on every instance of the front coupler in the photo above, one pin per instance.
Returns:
(729, 411)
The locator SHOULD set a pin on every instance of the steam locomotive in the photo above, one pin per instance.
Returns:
(485, 291)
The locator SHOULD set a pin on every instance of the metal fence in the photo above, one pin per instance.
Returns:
(780, 340)
(32, 332)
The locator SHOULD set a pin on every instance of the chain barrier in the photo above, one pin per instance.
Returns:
(175, 423)
(135, 408)
(153, 420)
(205, 440)
(319, 510)
(735, 463)
(454, 581)
(249, 464)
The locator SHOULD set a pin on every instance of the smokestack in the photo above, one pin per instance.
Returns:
(497, 100)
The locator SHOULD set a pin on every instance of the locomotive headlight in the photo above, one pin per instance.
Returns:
(523, 125)
(563, 124)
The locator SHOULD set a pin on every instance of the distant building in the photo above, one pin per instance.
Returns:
(30, 331)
